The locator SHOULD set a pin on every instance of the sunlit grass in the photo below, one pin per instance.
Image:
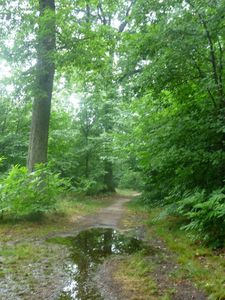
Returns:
(126, 192)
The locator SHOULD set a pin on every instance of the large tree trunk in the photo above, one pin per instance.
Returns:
(45, 70)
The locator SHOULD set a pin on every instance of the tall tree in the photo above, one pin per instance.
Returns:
(99, 27)
(174, 66)
(45, 69)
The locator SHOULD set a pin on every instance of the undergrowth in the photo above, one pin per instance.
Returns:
(198, 263)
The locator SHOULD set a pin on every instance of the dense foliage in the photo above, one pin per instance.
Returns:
(206, 215)
(149, 77)
(23, 193)
(177, 77)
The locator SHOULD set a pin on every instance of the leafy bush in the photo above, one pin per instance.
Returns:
(152, 198)
(1, 162)
(89, 186)
(131, 179)
(23, 193)
(206, 216)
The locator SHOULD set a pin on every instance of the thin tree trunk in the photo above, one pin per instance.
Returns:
(108, 124)
(108, 177)
(45, 70)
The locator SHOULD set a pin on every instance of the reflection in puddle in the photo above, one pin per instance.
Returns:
(88, 249)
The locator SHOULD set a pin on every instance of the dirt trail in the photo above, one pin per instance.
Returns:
(47, 276)
(108, 217)
(164, 260)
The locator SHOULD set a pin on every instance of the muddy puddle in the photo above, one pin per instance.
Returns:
(87, 250)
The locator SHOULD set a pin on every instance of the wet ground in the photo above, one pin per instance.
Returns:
(108, 217)
(95, 243)
(89, 249)
(39, 270)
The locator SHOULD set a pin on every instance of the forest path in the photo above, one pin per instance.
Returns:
(37, 269)
(107, 217)
(31, 267)
(162, 260)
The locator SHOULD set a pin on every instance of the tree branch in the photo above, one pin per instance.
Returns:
(213, 58)
(124, 23)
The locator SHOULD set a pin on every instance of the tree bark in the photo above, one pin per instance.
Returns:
(108, 177)
(45, 69)
(108, 125)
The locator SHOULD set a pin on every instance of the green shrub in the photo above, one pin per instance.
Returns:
(131, 179)
(152, 198)
(23, 193)
(205, 215)
(89, 186)
(1, 162)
